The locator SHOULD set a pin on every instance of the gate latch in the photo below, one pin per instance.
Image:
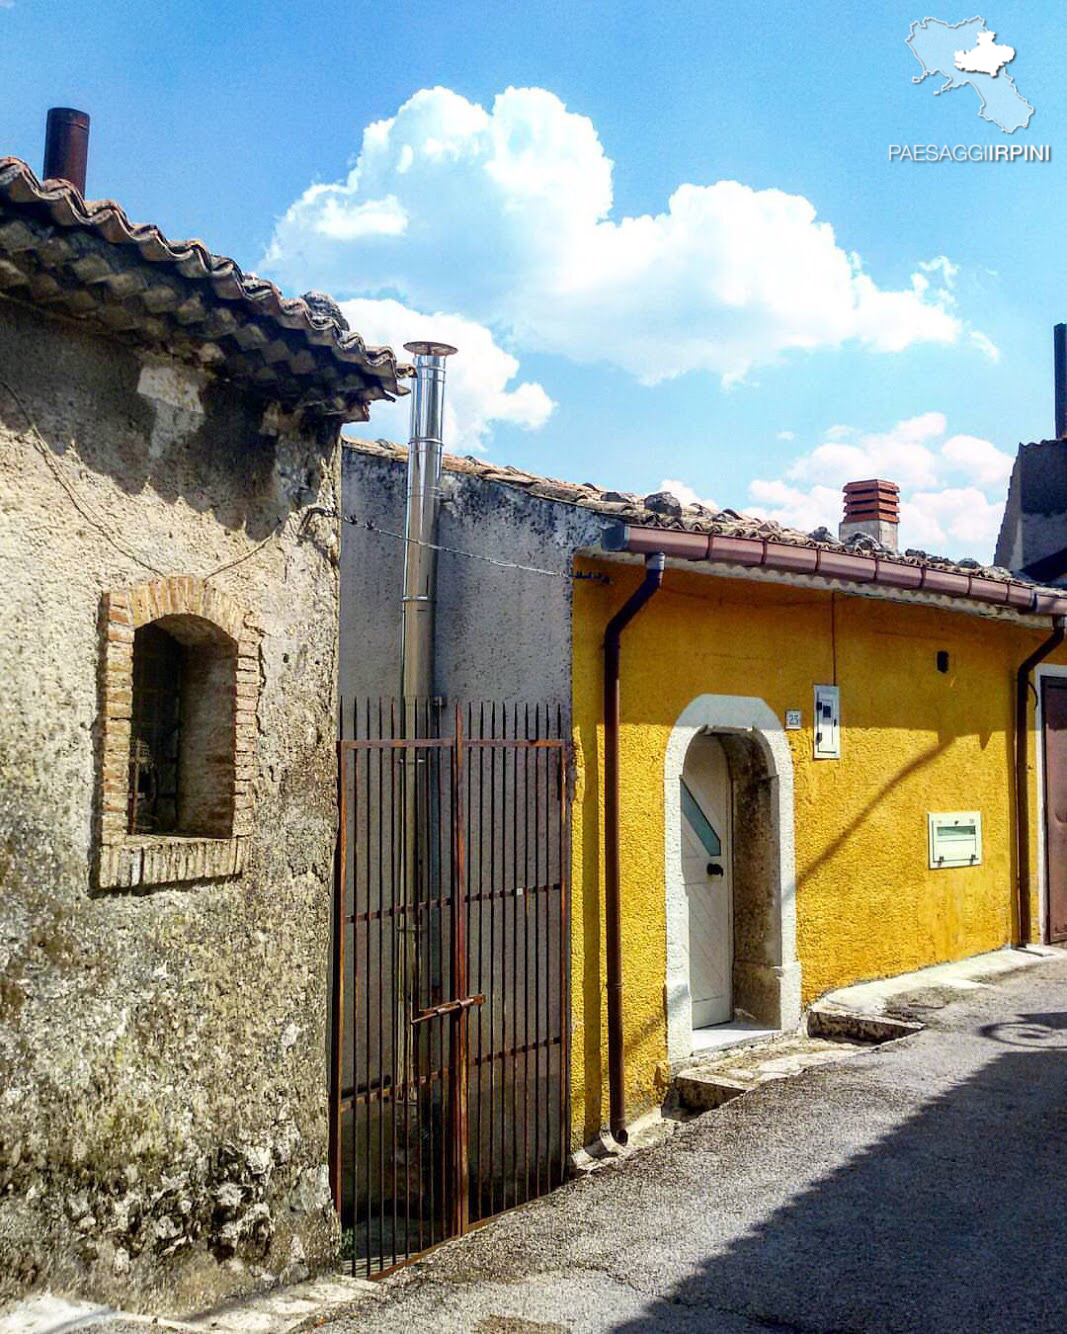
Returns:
(448, 1007)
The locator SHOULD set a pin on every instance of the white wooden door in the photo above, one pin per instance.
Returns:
(706, 868)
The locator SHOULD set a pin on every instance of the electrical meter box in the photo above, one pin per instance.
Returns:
(827, 722)
(955, 839)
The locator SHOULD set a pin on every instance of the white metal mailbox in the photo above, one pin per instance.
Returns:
(955, 839)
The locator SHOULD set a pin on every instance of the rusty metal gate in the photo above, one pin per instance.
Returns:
(449, 1036)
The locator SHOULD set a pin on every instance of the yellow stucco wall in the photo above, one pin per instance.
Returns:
(913, 740)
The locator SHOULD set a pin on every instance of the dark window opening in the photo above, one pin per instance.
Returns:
(155, 732)
(182, 741)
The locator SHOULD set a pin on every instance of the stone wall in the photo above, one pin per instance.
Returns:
(1034, 526)
(502, 633)
(163, 1127)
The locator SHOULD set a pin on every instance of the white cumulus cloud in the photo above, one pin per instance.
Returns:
(479, 387)
(952, 486)
(506, 215)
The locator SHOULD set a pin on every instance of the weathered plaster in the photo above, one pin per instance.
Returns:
(162, 1049)
(502, 633)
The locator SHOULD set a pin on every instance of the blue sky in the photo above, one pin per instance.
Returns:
(725, 341)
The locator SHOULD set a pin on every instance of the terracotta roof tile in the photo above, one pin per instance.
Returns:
(85, 258)
(857, 556)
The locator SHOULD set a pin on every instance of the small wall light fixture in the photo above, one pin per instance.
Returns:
(942, 661)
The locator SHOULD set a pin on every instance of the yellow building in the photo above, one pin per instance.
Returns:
(766, 855)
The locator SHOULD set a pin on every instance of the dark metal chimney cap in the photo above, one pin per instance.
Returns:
(429, 349)
(66, 146)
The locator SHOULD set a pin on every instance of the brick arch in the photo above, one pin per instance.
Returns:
(192, 611)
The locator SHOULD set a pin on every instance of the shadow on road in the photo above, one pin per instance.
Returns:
(954, 1221)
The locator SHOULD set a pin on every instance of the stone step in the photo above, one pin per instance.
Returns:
(832, 1034)
(831, 1021)
(703, 1087)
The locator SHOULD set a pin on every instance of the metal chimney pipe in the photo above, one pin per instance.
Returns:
(1059, 360)
(420, 526)
(416, 673)
(66, 146)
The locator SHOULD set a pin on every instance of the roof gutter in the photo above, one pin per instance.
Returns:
(785, 558)
(1022, 777)
(824, 562)
(655, 563)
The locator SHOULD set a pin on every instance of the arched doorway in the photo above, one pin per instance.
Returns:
(731, 916)
(705, 798)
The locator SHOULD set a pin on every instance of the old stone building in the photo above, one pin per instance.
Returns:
(170, 463)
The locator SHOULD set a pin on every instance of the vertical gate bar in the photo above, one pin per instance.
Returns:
(526, 753)
(359, 979)
(480, 983)
(539, 877)
(436, 1029)
(564, 948)
(424, 1119)
(487, 1010)
(502, 980)
(345, 847)
(458, 1053)
(474, 974)
(394, 926)
(337, 1000)
(382, 1104)
(473, 969)
(444, 1030)
(361, 1072)
(515, 961)
(493, 823)
(412, 993)
(434, 915)
(365, 758)
(359, 1171)
(503, 984)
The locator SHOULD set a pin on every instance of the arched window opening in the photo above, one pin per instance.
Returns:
(180, 678)
(181, 763)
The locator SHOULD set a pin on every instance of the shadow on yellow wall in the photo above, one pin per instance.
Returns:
(915, 740)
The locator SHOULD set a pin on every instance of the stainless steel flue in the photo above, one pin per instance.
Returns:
(418, 870)
(420, 528)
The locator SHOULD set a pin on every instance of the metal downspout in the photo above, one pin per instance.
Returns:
(1022, 783)
(654, 566)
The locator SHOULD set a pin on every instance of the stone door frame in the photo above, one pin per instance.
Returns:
(730, 715)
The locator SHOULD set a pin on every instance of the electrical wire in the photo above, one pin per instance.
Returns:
(102, 527)
(371, 527)
(100, 524)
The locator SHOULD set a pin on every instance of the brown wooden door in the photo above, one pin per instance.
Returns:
(1054, 709)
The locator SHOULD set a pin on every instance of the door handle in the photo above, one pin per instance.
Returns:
(715, 869)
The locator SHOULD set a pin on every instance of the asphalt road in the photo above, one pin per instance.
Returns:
(916, 1187)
